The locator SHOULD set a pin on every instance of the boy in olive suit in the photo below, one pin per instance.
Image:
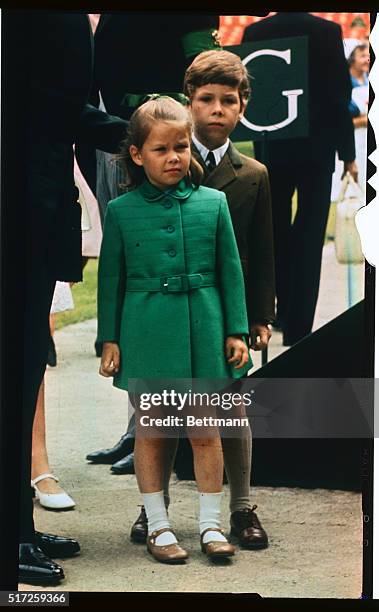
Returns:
(218, 87)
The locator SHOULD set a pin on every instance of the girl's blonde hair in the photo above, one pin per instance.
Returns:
(162, 108)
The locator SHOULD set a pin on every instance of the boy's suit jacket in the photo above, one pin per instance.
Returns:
(246, 185)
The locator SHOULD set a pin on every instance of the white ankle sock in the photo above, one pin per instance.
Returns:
(157, 517)
(210, 512)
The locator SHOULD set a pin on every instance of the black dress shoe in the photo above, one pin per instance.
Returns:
(124, 466)
(37, 568)
(246, 526)
(110, 455)
(138, 533)
(57, 546)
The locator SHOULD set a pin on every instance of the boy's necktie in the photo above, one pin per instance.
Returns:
(210, 161)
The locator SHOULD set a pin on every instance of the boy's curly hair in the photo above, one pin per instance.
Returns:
(221, 67)
(162, 108)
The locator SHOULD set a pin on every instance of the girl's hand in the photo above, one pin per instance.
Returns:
(110, 359)
(236, 352)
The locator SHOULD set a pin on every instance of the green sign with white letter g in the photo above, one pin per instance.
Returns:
(278, 71)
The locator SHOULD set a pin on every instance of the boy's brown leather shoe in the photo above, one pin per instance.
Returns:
(171, 553)
(215, 549)
(246, 526)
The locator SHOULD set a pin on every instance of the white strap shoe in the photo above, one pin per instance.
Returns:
(52, 501)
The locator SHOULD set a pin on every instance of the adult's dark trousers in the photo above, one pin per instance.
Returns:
(298, 245)
(109, 180)
(38, 297)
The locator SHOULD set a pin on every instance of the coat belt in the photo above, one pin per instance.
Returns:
(172, 284)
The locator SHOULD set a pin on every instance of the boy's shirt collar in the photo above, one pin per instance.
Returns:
(218, 153)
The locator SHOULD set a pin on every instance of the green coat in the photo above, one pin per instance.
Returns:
(164, 328)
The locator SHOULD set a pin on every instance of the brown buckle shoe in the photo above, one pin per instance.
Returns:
(246, 526)
(170, 553)
(138, 532)
(215, 549)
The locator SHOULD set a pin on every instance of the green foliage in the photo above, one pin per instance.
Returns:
(84, 295)
(246, 148)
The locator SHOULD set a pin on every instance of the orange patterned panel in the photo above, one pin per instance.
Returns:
(354, 25)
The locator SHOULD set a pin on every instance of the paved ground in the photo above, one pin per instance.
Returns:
(315, 535)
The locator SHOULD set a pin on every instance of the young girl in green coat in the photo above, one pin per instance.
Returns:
(171, 304)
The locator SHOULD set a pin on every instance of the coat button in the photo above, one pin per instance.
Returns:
(170, 229)
(172, 253)
(167, 204)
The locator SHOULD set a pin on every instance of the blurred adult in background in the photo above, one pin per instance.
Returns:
(62, 301)
(57, 59)
(359, 63)
(45, 484)
(92, 232)
(306, 164)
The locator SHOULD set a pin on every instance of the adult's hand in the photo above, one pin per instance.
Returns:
(360, 121)
(352, 168)
(262, 332)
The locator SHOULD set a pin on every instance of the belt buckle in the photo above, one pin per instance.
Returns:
(164, 284)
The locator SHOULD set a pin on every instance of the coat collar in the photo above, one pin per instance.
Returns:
(181, 191)
(225, 172)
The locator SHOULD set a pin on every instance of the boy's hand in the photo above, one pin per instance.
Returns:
(236, 352)
(110, 359)
(260, 335)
